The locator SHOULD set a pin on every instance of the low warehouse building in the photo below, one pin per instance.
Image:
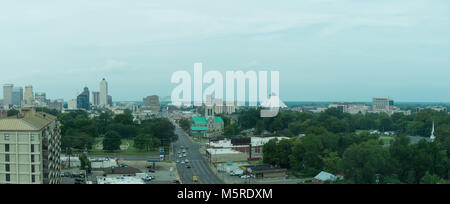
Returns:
(224, 155)
(264, 171)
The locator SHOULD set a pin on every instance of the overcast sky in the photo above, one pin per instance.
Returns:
(325, 50)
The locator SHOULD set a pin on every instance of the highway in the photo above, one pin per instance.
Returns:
(198, 168)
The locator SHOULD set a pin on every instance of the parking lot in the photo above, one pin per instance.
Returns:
(164, 173)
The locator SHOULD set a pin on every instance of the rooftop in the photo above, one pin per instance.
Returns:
(28, 121)
(256, 141)
(222, 151)
(262, 168)
(199, 120)
(120, 180)
(325, 176)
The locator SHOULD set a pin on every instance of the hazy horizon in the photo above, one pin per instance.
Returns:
(325, 50)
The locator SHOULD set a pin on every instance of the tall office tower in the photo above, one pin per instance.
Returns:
(103, 93)
(382, 104)
(30, 149)
(95, 98)
(7, 94)
(83, 99)
(28, 96)
(17, 96)
(151, 103)
(110, 102)
(41, 99)
(56, 105)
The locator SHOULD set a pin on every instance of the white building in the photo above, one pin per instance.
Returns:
(103, 93)
(72, 104)
(351, 108)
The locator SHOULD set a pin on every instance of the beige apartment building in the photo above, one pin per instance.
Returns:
(30, 148)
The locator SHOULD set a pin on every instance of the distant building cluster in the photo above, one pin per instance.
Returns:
(379, 105)
(15, 98)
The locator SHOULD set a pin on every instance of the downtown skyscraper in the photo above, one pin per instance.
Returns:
(103, 93)
(17, 96)
(7, 94)
(83, 99)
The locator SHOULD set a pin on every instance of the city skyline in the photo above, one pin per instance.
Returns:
(167, 97)
(324, 50)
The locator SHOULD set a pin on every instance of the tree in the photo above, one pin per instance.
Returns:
(124, 130)
(443, 136)
(103, 122)
(84, 162)
(126, 119)
(432, 179)
(185, 124)
(12, 112)
(270, 152)
(402, 157)
(146, 142)
(331, 163)
(231, 130)
(259, 127)
(160, 128)
(247, 119)
(74, 138)
(363, 162)
(112, 141)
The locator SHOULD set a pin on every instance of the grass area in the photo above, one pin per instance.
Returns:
(296, 175)
(387, 140)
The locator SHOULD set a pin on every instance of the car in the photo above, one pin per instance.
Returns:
(77, 175)
(182, 162)
(151, 171)
(175, 182)
(180, 156)
(237, 172)
(184, 155)
(79, 181)
(195, 179)
(188, 166)
(149, 178)
(186, 161)
(123, 165)
(245, 177)
(178, 161)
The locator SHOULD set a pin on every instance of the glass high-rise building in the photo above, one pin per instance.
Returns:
(83, 99)
(17, 96)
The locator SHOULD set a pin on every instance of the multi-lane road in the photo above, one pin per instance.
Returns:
(199, 167)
